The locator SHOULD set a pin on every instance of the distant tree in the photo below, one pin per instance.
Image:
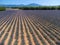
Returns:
(58, 7)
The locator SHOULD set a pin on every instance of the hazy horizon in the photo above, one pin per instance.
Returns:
(26, 2)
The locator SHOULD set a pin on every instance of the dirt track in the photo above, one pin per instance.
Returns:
(25, 28)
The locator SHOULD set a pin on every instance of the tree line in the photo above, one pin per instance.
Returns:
(41, 8)
(34, 8)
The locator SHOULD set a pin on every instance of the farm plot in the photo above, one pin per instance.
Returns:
(23, 27)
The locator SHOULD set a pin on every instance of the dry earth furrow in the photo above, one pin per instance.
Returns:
(27, 27)
(5, 33)
(38, 33)
(4, 25)
(30, 35)
(9, 34)
(45, 35)
(14, 35)
(25, 34)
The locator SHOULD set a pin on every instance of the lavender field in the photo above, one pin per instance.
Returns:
(30, 27)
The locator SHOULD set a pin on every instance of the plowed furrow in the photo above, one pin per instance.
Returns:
(24, 27)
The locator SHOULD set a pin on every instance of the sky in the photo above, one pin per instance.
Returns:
(41, 2)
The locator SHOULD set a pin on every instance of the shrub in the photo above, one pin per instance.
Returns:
(2, 8)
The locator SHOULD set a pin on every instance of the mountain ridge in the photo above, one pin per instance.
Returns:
(21, 5)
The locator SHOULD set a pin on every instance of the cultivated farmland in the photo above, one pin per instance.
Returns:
(30, 27)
